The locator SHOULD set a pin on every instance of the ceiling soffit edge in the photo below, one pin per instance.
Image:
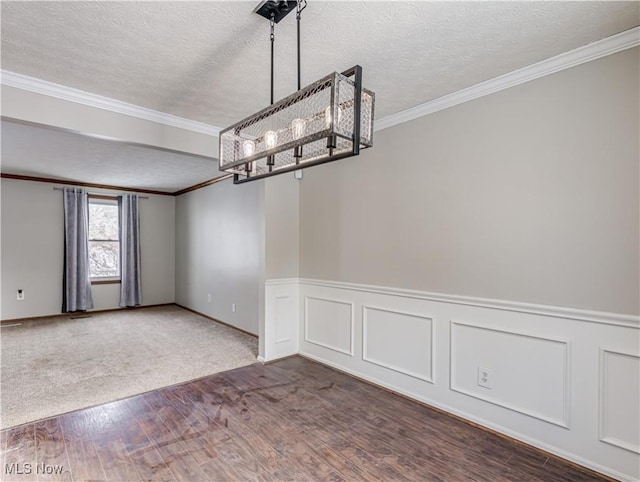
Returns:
(38, 86)
(608, 46)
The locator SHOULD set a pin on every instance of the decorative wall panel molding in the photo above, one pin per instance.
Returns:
(283, 328)
(619, 421)
(530, 374)
(281, 324)
(398, 341)
(329, 324)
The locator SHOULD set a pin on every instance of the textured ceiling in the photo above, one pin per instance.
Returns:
(209, 61)
(44, 152)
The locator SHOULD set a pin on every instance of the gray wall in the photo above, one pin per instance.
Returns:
(229, 239)
(220, 251)
(529, 194)
(32, 251)
(281, 201)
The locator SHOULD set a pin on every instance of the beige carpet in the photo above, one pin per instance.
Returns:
(52, 366)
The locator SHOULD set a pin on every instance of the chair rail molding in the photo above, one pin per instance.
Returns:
(631, 321)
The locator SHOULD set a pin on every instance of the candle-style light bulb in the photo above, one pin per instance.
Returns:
(328, 118)
(271, 139)
(248, 148)
(298, 128)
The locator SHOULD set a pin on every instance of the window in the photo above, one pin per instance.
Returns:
(104, 243)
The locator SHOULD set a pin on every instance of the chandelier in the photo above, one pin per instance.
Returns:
(327, 120)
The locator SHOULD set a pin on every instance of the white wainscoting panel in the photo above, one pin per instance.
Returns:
(529, 374)
(543, 359)
(329, 324)
(284, 329)
(620, 399)
(281, 319)
(399, 341)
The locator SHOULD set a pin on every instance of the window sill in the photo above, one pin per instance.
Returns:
(105, 281)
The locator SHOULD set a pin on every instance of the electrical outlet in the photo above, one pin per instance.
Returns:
(20, 295)
(485, 377)
(233, 307)
(209, 298)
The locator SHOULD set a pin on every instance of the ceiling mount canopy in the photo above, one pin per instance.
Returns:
(327, 120)
(279, 9)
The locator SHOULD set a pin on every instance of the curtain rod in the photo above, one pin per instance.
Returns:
(62, 189)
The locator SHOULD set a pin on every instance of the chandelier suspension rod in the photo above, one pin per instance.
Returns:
(300, 6)
(272, 39)
(298, 22)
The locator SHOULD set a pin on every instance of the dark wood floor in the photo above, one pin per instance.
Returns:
(290, 420)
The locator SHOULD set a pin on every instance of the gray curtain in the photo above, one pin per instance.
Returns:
(76, 282)
(130, 274)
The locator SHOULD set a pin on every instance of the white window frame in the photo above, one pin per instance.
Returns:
(110, 201)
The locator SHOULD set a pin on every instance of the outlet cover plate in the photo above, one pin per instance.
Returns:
(485, 377)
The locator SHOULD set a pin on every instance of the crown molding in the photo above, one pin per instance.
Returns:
(52, 180)
(596, 50)
(203, 184)
(66, 182)
(608, 46)
(58, 91)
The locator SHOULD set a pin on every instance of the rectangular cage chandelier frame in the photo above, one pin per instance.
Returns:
(328, 120)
